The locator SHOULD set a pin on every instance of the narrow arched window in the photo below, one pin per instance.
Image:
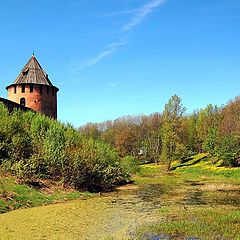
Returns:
(23, 102)
(31, 88)
(15, 89)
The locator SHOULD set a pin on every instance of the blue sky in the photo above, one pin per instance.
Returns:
(112, 58)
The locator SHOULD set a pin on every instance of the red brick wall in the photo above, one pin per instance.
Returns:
(38, 100)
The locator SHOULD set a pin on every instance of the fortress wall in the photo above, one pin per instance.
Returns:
(12, 105)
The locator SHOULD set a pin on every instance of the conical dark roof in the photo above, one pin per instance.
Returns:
(33, 73)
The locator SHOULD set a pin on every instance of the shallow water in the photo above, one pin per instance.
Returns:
(113, 215)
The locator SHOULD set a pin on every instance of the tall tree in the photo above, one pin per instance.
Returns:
(192, 133)
(171, 143)
(150, 129)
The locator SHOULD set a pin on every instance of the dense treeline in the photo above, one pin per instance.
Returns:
(33, 146)
(100, 156)
(163, 137)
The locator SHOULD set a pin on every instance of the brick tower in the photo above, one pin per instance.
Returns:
(33, 89)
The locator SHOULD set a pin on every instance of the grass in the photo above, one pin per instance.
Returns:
(203, 223)
(201, 164)
(14, 195)
(198, 199)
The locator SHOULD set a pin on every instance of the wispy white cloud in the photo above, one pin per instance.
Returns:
(110, 49)
(139, 16)
(117, 44)
(100, 56)
(142, 14)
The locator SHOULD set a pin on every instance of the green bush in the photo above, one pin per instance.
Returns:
(131, 164)
(34, 146)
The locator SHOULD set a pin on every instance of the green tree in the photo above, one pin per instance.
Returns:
(211, 141)
(150, 137)
(172, 116)
(192, 133)
(229, 150)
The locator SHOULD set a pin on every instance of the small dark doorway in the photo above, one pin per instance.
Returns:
(23, 102)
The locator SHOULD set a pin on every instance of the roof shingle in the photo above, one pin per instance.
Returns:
(33, 73)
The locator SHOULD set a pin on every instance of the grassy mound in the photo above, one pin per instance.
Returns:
(14, 195)
(202, 164)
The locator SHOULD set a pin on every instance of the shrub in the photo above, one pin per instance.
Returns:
(34, 146)
(130, 164)
(96, 166)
